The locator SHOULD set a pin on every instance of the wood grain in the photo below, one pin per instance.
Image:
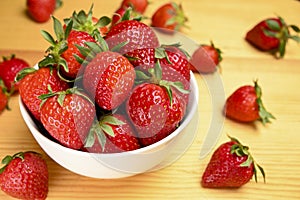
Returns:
(274, 146)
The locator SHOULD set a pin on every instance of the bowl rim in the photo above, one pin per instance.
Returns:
(192, 107)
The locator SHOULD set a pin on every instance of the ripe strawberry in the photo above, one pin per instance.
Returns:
(245, 105)
(136, 34)
(272, 35)
(137, 5)
(24, 176)
(174, 63)
(155, 108)
(64, 51)
(108, 77)
(112, 134)
(206, 58)
(169, 16)
(34, 83)
(230, 166)
(4, 96)
(67, 116)
(9, 68)
(41, 10)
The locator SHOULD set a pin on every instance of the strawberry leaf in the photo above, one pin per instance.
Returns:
(265, 116)
(273, 25)
(295, 28)
(107, 129)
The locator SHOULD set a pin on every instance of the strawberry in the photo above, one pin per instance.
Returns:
(174, 63)
(108, 77)
(155, 108)
(206, 58)
(137, 35)
(231, 166)
(41, 10)
(67, 116)
(34, 83)
(24, 176)
(4, 96)
(64, 51)
(87, 22)
(245, 105)
(137, 5)
(113, 133)
(169, 16)
(9, 68)
(272, 34)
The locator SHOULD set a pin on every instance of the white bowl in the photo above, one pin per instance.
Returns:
(118, 165)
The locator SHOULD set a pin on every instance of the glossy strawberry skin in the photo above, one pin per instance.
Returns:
(9, 68)
(259, 39)
(40, 10)
(75, 38)
(242, 105)
(27, 178)
(70, 122)
(35, 84)
(150, 111)
(137, 5)
(124, 138)
(224, 170)
(3, 100)
(108, 79)
(177, 70)
(137, 34)
(117, 16)
(169, 17)
(205, 59)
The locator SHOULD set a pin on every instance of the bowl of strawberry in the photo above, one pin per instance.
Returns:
(110, 105)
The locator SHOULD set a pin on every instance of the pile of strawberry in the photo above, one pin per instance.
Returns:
(105, 87)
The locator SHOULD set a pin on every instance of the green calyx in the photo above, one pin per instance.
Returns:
(99, 128)
(178, 18)
(83, 21)
(58, 45)
(7, 159)
(282, 33)
(241, 150)
(61, 95)
(155, 77)
(264, 115)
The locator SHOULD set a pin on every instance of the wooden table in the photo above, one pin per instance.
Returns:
(275, 146)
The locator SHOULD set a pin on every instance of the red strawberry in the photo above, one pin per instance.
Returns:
(230, 166)
(67, 116)
(34, 83)
(64, 51)
(169, 16)
(155, 108)
(272, 35)
(245, 105)
(9, 68)
(112, 134)
(118, 14)
(25, 176)
(135, 34)
(41, 10)
(108, 77)
(206, 59)
(174, 63)
(137, 5)
(4, 96)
